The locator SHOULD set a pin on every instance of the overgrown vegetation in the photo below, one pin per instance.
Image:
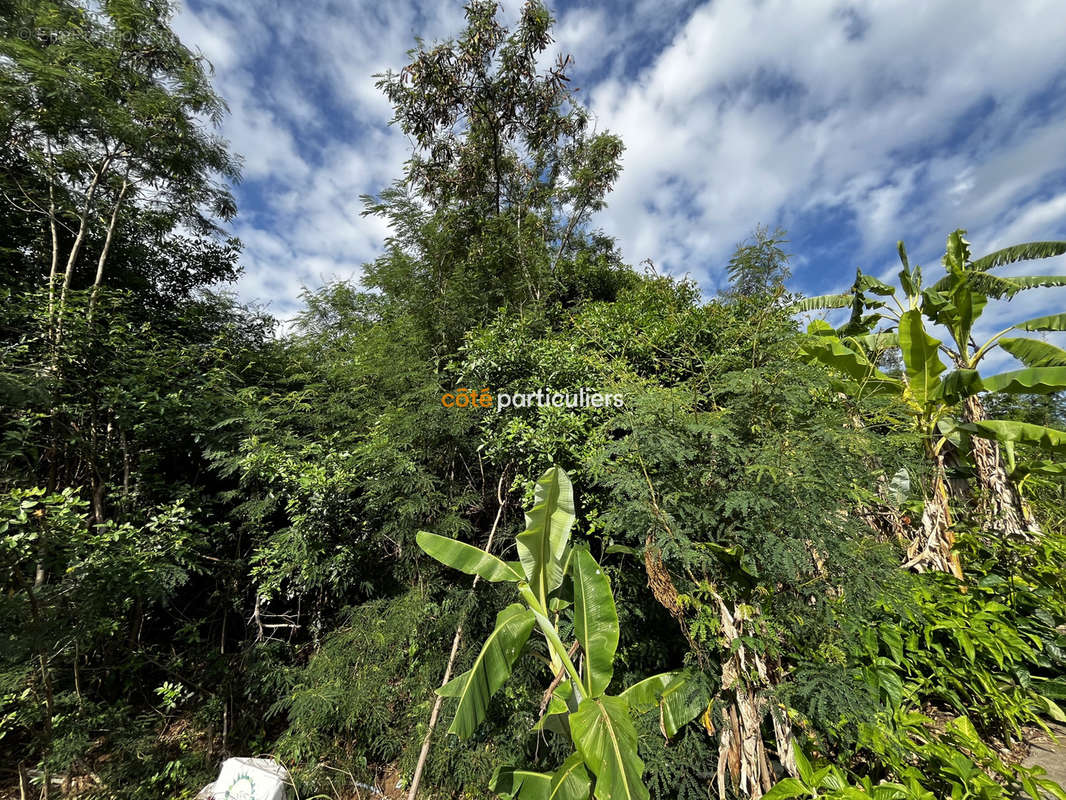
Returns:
(818, 563)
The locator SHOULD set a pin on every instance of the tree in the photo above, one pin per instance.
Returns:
(116, 368)
(102, 114)
(504, 174)
(760, 264)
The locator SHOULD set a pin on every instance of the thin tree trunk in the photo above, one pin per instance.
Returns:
(54, 230)
(125, 462)
(75, 248)
(570, 225)
(423, 754)
(102, 260)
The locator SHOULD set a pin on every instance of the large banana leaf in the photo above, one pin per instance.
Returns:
(543, 543)
(681, 703)
(607, 741)
(970, 305)
(1033, 352)
(645, 695)
(994, 285)
(876, 342)
(832, 352)
(520, 784)
(821, 302)
(1035, 380)
(997, 287)
(571, 781)
(1003, 430)
(675, 693)
(1047, 469)
(595, 620)
(463, 557)
(1019, 252)
(920, 357)
(491, 669)
(1052, 322)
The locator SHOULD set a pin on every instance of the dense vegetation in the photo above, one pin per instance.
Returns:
(794, 562)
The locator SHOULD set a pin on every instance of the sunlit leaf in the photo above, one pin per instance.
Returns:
(1052, 322)
(595, 620)
(1034, 352)
(1019, 252)
(1003, 430)
(607, 741)
(491, 669)
(520, 784)
(543, 543)
(921, 359)
(463, 557)
(821, 302)
(1035, 380)
(571, 781)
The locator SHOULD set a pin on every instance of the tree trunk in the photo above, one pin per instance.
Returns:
(106, 249)
(741, 750)
(53, 229)
(434, 714)
(997, 497)
(75, 248)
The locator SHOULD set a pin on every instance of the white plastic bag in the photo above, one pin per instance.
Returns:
(251, 779)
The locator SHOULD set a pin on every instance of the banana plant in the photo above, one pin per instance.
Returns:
(945, 403)
(553, 578)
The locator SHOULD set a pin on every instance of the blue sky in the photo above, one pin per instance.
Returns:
(849, 124)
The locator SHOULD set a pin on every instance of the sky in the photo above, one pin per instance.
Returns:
(849, 124)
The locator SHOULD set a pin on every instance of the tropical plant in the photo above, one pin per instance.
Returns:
(554, 578)
(946, 408)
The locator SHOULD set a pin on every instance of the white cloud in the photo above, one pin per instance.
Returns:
(771, 109)
(902, 125)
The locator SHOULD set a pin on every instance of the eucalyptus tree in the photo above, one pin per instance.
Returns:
(946, 408)
(505, 171)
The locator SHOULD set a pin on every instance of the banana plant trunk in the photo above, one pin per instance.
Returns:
(743, 762)
(998, 498)
(933, 548)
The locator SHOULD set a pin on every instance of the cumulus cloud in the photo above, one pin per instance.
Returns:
(849, 123)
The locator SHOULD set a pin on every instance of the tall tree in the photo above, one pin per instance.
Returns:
(505, 172)
(103, 113)
(759, 265)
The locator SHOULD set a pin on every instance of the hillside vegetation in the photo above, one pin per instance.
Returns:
(798, 558)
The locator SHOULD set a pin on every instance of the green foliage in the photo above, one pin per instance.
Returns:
(103, 112)
(600, 725)
(362, 695)
(759, 266)
(956, 301)
(210, 537)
